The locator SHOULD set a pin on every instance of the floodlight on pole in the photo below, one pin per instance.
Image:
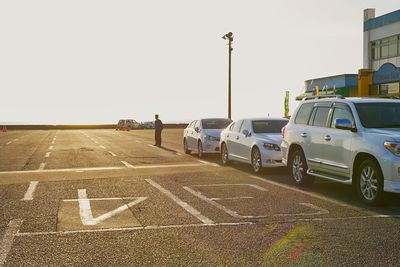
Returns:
(229, 37)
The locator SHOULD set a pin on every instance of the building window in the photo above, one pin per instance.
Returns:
(393, 46)
(385, 48)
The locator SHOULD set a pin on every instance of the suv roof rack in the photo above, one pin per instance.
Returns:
(323, 96)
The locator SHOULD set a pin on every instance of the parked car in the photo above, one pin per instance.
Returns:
(203, 135)
(127, 125)
(347, 140)
(147, 125)
(253, 141)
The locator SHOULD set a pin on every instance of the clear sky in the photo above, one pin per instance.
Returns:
(97, 61)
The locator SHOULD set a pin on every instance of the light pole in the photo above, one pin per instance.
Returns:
(229, 37)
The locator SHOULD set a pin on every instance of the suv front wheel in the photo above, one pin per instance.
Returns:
(298, 167)
(369, 182)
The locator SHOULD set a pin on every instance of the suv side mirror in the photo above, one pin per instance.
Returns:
(344, 124)
(197, 129)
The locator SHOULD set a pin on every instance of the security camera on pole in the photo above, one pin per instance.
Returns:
(229, 37)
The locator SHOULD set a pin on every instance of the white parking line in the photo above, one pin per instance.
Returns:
(127, 164)
(128, 229)
(103, 147)
(15, 140)
(47, 154)
(309, 194)
(209, 163)
(105, 168)
(9, 142)
(8, 239)
(42, 165)
(137, 141)
(51, 147)
(112, 154)
(31, 189)
(53, 142)
(181, 203)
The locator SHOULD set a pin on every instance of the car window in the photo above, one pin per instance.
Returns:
(379, 115)
(237, 126)
(197, 124)
(245, 126)
(231, 127)
(215, 123)
(341, 113)
(268, 126)
(321, 116)
(192, 124)
(304, 113)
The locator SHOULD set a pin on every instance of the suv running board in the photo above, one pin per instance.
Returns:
(340, 179)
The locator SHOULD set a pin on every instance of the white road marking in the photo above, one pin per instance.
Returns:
(15, 140)
(51, 147)
(235, 214)
(309, 194)
(137, 141)
(230, 198)
(179, 154)
(85, 210)
(250, 185)
(112, 154)
(103, 147)
(31, 189)
(42, 165)
(53, 142)
(105, 168)
(47, 154)
(9, 142)
(181, 203)
(127, 164)
(209, 163)
(8, 239)
(129, 229)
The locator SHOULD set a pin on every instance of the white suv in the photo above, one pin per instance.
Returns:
(347, 140)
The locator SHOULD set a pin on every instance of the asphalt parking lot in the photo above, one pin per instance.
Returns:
(110, 198)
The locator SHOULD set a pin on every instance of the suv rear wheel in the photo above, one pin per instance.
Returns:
(298, 167)
(369, 182)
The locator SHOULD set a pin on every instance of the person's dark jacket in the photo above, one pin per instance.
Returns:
(158, 125)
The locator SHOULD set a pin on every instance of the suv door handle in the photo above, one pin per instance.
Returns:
(237, 137)
(327, 138)
(303, 135)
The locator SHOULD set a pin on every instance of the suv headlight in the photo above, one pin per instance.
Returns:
(270, 146)
(211, 138)
(392, 147)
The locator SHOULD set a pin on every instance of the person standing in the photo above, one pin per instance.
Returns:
(158, 126)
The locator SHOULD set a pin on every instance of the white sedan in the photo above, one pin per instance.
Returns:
(203, 135)
(254, 141)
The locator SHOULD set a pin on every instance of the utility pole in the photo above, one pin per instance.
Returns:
(229, 37)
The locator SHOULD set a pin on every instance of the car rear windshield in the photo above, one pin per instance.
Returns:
(215, 123)
(379, 115)
(268, 126)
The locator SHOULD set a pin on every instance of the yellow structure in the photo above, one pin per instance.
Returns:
(364, 81)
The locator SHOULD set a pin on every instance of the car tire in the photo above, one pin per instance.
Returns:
(369, 183)
(298, 167)
(256, 161)
(200, 152)
(186, 147)
(224, 154)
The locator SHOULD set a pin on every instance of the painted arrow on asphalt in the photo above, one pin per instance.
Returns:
(86, 211)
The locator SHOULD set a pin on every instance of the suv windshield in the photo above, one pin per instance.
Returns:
(268, 126)
(379, 115)
(215, 123)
